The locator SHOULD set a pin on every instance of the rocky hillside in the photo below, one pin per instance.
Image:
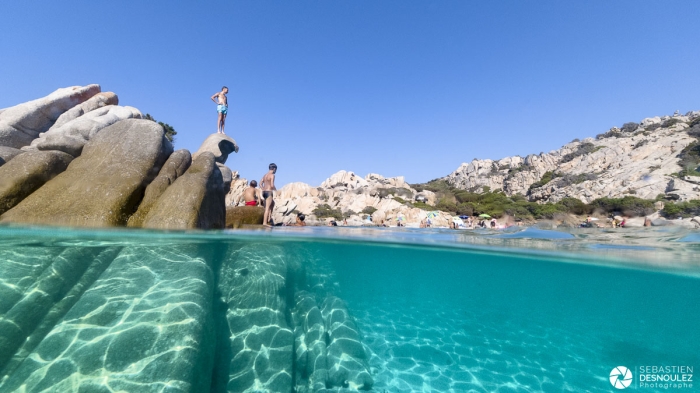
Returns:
(642, 159)
(346, 195)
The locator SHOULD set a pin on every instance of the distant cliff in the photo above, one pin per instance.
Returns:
(653, 157)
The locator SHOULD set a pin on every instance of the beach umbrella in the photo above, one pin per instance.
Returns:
(594, 219)
(433, 214)
(484, 215)
(463, 217)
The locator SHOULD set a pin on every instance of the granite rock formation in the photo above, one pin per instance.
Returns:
(25, 174)
(21, 124)
(103, 186)
(194, 200)
(353, 196)
(77, 158)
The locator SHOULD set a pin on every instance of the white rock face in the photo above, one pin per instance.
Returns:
(21, 124)
(71, 136)
(350, 194)
(636, 162)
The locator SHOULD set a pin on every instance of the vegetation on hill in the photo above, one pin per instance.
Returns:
(325, 211)
(498, 204)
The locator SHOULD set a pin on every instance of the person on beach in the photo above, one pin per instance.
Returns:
(267, 184)
(300, 220)
(251, 196)
(221, 107)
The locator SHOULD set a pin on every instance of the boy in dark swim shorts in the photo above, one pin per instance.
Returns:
(221, 107)
(267, 184)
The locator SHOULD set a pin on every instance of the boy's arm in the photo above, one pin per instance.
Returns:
(213, 98)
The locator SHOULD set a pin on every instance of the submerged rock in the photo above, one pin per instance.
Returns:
(253, 285)
(347, 359)
(104, 185)
(144, 324)
(26, 173)
(21, 124)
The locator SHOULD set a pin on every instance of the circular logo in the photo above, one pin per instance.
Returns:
(620, 377)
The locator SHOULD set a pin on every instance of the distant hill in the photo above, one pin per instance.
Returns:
(659, 155)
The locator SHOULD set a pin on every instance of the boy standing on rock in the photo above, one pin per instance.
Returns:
(267, 184)
(222, 107)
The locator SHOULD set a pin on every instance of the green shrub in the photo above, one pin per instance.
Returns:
(629, 205)
(349, 213)
(683, 209)
(369, 210)
(568, 179)
(325, 211)
(546, 178)
(399, 200)
(629, 127)
(575, 206)
(690, 160)
(584, 148)
(670, 122)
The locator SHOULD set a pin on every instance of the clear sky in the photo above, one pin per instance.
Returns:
(409, 88)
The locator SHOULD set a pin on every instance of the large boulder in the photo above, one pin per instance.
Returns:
(194, 200)
(26, 173)
(97, 101)
(236, 216)
(220, 145)
(103, 186)
(72, 136)
(8, 153)
(227, 176)
(174, 167)
(21, 124)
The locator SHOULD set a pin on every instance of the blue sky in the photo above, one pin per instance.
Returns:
(409, 88)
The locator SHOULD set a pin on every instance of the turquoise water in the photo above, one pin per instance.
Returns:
(344, 309)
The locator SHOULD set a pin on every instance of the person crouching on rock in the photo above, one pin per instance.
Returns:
(267, 184)
(251, 195)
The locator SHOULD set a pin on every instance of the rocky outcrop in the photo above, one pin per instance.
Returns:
(26, 173)
(357, 198)
(103, 186)
(194, 200)
(219, 145)
(99, 100)
(21, 124)
(109, 182)
(8, 153)
(73, 135)
(638, 160)
(237, 216)
(174, 167)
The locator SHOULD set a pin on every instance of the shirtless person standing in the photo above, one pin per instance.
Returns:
(250, 195)
(222, 107)
(267, 184)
